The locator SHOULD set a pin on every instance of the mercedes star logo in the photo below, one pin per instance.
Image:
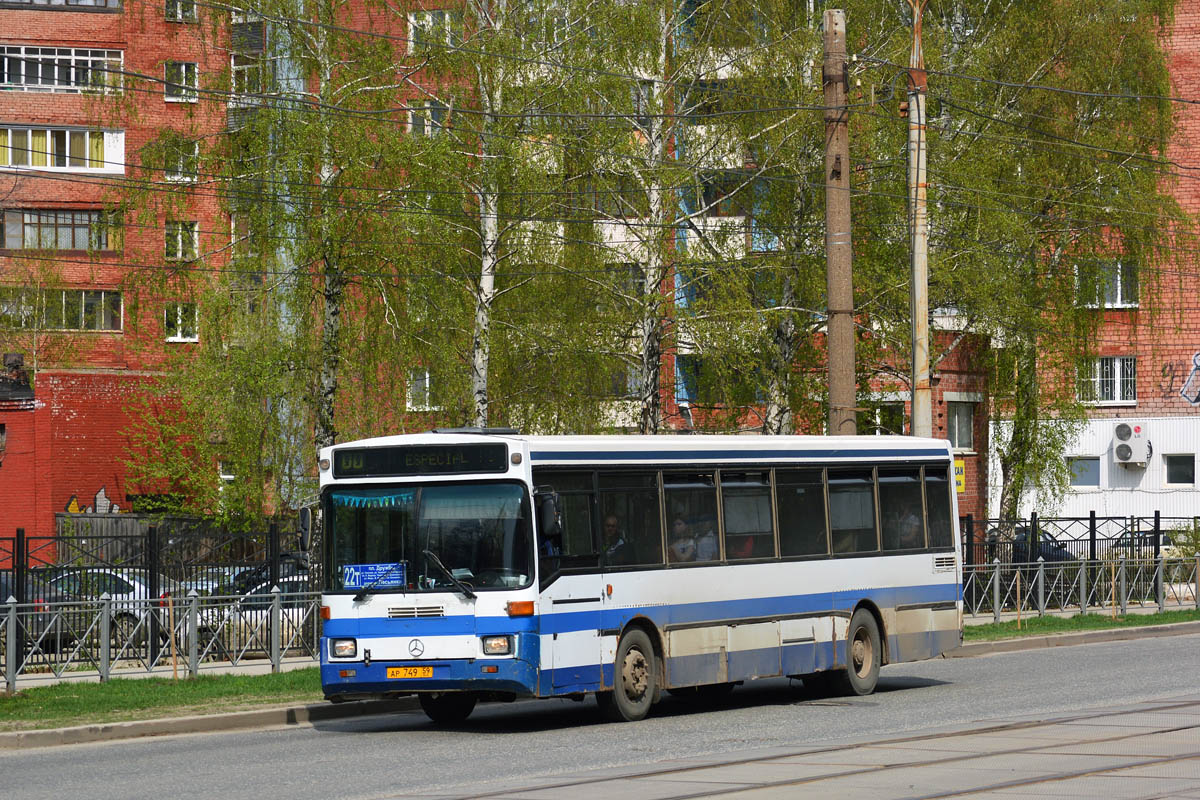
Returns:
(416, 648)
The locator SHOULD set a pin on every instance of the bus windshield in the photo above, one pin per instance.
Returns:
(378, 539)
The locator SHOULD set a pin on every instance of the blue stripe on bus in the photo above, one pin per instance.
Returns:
(744, 455)
(662, 615)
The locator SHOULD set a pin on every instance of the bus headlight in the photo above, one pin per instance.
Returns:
(497, 645)
(343, 648)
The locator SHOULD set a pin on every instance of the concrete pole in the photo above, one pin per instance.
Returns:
(838, 251)
(922, 393)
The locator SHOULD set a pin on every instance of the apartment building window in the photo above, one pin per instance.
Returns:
(82, 5)
(885, 419)
(46, 229)
(59, 69)
(551, 25)
(53, 148)
(61, 309)
(181, 81)
(1085, 471)
(1181, 469)
(181, 322)
(420, 397)
(960, 425)
(181, 161)
(1110, 379)
(1116, 286)
(437, 27)
(182, 240)
(427, 118)
(181, 10)
(623, 382)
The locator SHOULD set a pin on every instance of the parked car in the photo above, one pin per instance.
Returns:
(245, 625)
(1046, 547)
(1139, 544)
(290, 565)
(129, 590)
(48, 626)
(209, 581)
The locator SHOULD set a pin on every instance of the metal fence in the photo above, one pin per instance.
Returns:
(1072, 538)
(181, 550)
(106, 637)
(1112, 585)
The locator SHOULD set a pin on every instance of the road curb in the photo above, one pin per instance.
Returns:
(1069, 639)
(202, 723)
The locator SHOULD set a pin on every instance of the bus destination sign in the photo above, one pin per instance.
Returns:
(429, 459)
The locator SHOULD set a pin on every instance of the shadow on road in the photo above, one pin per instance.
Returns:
(527, 716)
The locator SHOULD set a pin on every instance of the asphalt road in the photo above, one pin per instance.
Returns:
(386, 757)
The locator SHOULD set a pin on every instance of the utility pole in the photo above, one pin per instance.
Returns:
(922, 393)
(839, 324)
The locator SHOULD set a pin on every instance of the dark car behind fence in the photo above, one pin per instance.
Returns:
(1076, 564)
(1091, 538)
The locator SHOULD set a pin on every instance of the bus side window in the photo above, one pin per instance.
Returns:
(576, 524)
(691, 500)
(632, 498)
(746, 506)
(852, 510)
(937, 505)
(572, 545)
(900, 509)
(800, 495)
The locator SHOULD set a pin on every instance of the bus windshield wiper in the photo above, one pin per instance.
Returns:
(367, 590)
(437, 562)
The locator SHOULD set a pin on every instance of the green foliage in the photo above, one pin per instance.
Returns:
(538, 205)
(1185, 541)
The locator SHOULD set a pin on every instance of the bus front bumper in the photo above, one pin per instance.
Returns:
(355, 680)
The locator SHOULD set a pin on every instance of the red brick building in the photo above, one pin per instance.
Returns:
(85, 87)
(1137, 454)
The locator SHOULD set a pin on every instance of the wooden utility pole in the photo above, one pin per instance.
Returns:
(838, 253)
(922, 392)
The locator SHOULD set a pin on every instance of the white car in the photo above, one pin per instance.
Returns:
(132, 603)
(245, 626)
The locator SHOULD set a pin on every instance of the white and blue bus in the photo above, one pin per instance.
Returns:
(466, 565)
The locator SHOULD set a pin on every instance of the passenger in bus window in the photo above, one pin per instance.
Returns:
(683, 544)
(706, 546)
(617, 551)
(911, 535)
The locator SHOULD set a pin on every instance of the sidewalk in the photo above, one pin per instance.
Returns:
(271, 716)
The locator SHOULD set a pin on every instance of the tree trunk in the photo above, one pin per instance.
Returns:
(777, 416)
(655, 266)
(1013, 461)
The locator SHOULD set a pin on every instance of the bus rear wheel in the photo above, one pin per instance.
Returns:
(635, 680)
(864, 655)
(448, 708)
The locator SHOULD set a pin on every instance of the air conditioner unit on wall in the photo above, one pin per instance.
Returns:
(1130, 445)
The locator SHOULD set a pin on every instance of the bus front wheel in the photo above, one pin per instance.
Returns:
(448, 708)
(864, 655)
(635, 679)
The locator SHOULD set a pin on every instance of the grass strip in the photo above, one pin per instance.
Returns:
(1096, 621)
(122, 699)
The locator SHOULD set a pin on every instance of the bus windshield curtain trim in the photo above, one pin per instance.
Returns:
(375, 498)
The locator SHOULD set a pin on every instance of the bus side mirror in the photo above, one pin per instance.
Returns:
(548, 515)
(304, 527)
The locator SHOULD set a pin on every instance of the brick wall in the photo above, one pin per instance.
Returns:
(70, 450)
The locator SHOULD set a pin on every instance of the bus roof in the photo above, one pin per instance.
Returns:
(680, 448)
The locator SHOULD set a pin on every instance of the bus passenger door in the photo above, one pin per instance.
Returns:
(571, 599)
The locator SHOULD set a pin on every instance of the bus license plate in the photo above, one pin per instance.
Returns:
(410, 672)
